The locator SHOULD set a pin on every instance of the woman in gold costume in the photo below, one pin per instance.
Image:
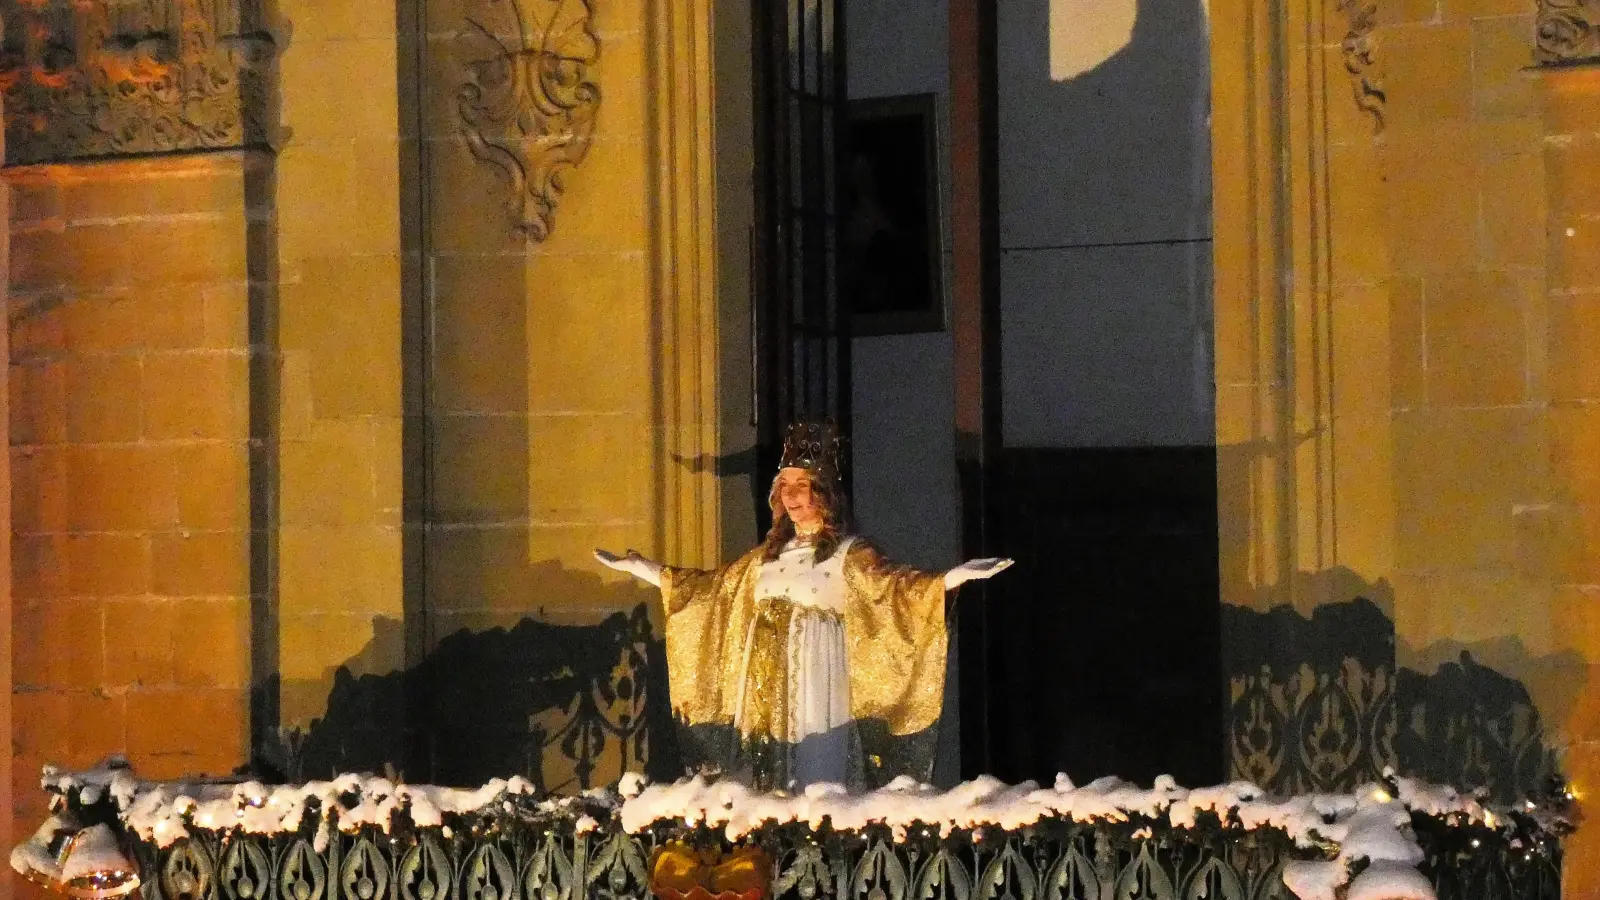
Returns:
(811, 658)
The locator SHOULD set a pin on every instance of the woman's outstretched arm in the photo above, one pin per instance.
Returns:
(975, 570)
(633, 564)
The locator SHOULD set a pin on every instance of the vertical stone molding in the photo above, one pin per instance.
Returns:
(684, 261)
(85, 80)
(1273, 289)
(7, 748)
(1570, 148)
(528, 104)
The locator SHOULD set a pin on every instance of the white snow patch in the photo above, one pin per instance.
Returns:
(1367, 831)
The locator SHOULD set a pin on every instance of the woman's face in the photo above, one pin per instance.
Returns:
(794, 492)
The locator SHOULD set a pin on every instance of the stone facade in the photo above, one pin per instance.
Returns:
(130, 442)
(1402, 402)
(349, 380)
(366, 373)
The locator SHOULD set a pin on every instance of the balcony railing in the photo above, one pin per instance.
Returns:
(367, 839)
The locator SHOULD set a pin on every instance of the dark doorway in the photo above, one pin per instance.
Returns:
(1106, 639)
(1099, 653)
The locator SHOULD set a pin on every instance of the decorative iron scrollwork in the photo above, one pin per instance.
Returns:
(98, 79)
(1054, 861)
(302, 875)
(1213, 880)
(549, 873)
(879, 874)
(528, 105)
(365, 873)
(1145, 877)
(246, 871)
(1565, 32)
(807, 874)
(1008, 877)
(487, 875)
(944, 877)
(1074, 876)
(188, 873)
(425, 872)
(618, 870)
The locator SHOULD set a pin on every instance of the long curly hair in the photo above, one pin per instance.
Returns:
(835, 519)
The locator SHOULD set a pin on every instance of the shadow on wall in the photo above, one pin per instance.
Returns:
(1105, 220)
(1319, 704)
(566, 706)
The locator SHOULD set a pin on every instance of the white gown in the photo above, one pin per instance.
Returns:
(819, 680)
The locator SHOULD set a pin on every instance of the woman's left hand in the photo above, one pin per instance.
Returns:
(975, 570)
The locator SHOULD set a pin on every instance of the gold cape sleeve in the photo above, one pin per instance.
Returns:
(895, 632)
(707, 614)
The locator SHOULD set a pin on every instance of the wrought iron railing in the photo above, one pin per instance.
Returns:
(518, 846)
(1067, 863)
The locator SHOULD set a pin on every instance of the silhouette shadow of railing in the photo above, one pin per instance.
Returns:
(568, 707)
(1318, 703)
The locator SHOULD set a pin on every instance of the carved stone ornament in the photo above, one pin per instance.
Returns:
(1566, 32)
(90, 79)
(1361, 17)
(528, 105)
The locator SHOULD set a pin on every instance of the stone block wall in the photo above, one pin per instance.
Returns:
(1470, 337)
(338, 407)
(573, 372)
(541, 435)
(1571, 536)
(130, 442)
(1402, 419)
(295, 421)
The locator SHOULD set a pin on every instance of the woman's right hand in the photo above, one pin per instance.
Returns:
(633, 564)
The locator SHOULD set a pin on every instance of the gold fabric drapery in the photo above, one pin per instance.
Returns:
(895, 640)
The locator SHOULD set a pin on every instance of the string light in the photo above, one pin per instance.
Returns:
(1528, 829)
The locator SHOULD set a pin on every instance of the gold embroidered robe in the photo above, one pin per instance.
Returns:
(895, 643)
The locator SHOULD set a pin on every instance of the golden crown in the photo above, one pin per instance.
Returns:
(813, 446)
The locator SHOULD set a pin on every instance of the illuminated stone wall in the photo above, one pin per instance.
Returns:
(1406, 515)
(337, 202)
(294, 420)
(1570, 536)
(130, 631)
(578, 341)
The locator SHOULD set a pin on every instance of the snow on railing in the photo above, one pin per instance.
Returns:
(373, 839)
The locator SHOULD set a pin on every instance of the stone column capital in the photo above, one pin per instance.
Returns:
(86, 80)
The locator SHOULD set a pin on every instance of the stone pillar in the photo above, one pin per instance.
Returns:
(1300, 306)
(131, 517)
(338, 414)
(1571, 157)
(1391, 418)
(6, 748)
(218, 325)
(135, 250)
(584, 384)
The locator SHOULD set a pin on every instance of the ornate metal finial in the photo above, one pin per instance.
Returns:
(82, 80)
(813, 446)
(528, 106)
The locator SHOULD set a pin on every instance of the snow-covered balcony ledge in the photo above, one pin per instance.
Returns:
(366, 838)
